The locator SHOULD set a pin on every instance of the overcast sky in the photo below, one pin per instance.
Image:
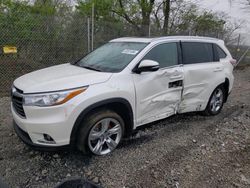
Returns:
(237, 10)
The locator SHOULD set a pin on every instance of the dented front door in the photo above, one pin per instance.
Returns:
(158, 94)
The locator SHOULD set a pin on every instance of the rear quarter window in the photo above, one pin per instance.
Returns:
(197, 52)
(221, 54)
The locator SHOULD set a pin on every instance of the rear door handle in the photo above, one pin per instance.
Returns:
(218, 69)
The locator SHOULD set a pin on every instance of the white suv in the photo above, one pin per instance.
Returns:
(128, 82)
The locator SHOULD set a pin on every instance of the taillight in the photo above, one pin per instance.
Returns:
(233, 62)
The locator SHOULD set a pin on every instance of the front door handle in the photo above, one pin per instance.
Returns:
(175, 77)
(175, 84)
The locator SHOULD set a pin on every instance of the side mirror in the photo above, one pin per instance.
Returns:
(147, 66)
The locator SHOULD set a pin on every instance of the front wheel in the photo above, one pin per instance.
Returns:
(101, 132)
(215, 102)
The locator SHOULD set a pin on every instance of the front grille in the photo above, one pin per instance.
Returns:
(17, 101)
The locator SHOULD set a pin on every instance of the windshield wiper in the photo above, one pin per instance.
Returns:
(91, 68)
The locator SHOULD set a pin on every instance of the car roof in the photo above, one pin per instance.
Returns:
(162, 39)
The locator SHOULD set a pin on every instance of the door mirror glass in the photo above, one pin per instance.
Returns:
(147, 66)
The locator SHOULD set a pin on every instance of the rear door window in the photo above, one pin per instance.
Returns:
(197, 52)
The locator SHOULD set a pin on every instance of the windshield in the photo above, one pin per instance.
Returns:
(111, 57)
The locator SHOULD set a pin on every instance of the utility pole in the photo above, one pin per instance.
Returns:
(238, 47)
(149, 29)
(88, 20)
(93, 26)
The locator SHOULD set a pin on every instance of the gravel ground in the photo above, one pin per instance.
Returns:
(187, 150)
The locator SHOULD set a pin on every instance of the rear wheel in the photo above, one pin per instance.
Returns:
(101, 132)
(216, 101)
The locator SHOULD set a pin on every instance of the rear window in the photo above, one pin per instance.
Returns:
(197, 52)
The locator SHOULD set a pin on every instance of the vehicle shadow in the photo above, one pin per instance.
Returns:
(148, 132)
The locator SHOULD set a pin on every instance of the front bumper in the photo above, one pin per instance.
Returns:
(24, 136)
(56, 122)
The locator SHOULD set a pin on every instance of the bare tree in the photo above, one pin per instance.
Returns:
(166, 12)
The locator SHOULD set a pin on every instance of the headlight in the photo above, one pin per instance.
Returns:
(51, 98)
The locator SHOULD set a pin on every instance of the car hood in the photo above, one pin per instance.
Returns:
(59, 77)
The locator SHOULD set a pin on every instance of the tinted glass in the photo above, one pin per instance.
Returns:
(220, 52)
(196, 52)
(164, 54)
(112, 57)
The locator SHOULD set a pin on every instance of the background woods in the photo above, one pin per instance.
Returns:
(48, 32)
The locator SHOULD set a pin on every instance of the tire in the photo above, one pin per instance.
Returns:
(101, 132)
(216, 102)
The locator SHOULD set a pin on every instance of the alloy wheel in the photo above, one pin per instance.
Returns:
(104, 136)
(216, 100)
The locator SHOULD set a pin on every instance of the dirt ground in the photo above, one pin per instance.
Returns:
(187, 150)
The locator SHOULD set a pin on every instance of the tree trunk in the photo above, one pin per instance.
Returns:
(145, 25)
(146, 10)
(166, 12)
